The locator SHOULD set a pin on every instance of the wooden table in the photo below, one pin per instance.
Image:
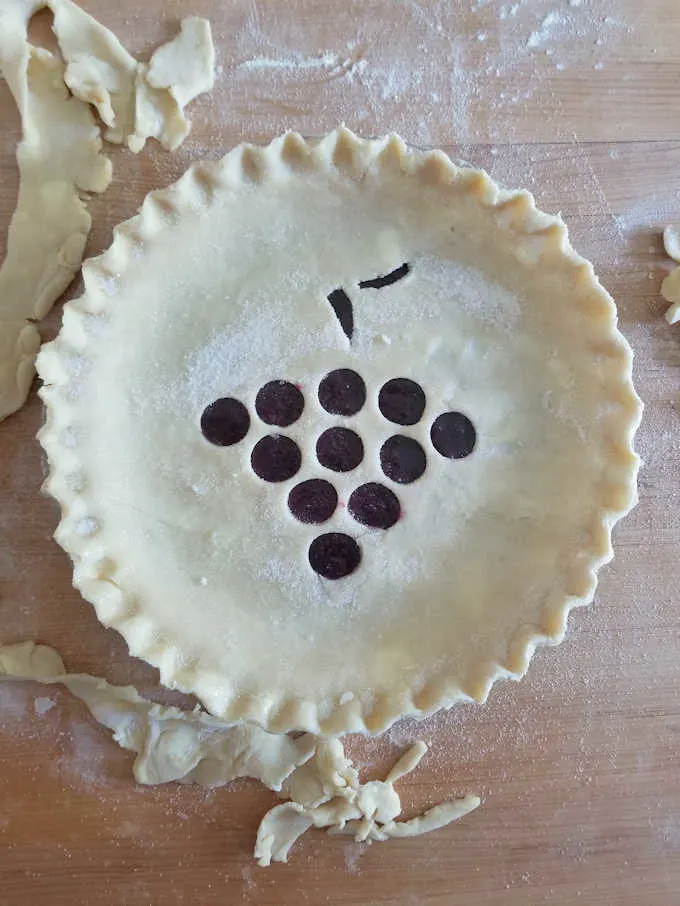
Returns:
(579, 765)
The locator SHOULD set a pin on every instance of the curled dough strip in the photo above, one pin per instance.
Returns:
(60, 153)
(194, 747)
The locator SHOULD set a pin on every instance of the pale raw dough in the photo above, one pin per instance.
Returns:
(135, 100)
(19, 345)
(99, 70)
(59, 156)
(193, 747)
(180, 70)
(220, 285)
(177, 73)
(59, 159)
(670, 288)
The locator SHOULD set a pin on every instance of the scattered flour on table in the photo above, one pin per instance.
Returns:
(424, 71)
(353, 854)
(319, 784)
(331, 63)
(590, 24)
(14, 703)
(42, 705)
(654, 212)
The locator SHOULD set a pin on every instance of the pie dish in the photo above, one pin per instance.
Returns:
(339, 431)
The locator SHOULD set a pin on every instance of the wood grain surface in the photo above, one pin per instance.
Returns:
(579, 764)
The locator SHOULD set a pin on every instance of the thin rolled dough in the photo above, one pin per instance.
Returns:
(321, 784)
(60, 154)
(670, 288)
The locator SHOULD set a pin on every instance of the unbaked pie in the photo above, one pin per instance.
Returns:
(339, 431)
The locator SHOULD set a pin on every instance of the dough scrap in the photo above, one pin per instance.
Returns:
(193, 747)
(60, 153)
(670, 288)
(19, 345)
(185, 66)
(136, 101)
(59, 157)
(177, 73)
(99, 70)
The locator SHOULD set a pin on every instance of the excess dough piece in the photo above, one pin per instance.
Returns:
(670, 288)
(60, 155)
(349, 314)
(321, 785)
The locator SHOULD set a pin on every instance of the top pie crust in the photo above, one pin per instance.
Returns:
(221, 285)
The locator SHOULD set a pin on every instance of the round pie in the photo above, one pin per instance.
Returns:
(339, 432)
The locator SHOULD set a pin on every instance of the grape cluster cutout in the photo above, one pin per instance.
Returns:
(342, 392)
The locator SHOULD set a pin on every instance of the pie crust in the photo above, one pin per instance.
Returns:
(225, 282)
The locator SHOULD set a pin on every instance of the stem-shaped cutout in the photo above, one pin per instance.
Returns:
(387, 280)
(342, 306)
